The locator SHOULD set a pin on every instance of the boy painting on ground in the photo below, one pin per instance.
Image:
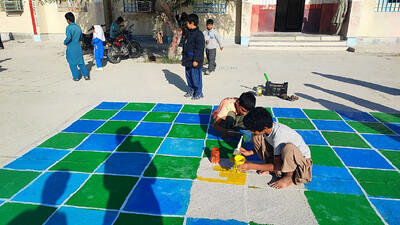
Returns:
(211, 36)
(193, 57)
(228, 118)
(281, 148)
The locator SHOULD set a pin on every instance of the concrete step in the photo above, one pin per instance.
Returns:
(297, 48)
(297, 43)
(297, 38)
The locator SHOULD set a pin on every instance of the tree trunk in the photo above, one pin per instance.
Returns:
(176, 30)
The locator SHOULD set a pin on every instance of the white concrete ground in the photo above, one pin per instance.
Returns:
(38, 98)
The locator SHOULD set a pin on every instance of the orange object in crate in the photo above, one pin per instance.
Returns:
(214, 155)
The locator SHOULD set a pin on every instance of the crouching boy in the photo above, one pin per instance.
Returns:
(228, 118)
(281, 148)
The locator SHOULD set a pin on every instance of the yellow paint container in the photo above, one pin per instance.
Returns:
(238, 160)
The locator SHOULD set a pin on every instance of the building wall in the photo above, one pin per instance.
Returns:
(50, 19)
(16, 22)
(143, 22)
(365, 22)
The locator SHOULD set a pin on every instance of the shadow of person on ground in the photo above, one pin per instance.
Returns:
(336, 107)
(89, 66)
(6, 59)
(175, 80)
(110, 167)
(53, 190)
(373, 86)
(359, 101)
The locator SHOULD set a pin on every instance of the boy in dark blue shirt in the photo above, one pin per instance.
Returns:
(193, 57)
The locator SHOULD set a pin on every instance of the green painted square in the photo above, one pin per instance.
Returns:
(64, 141)
(393, 156)
(99, 114)
(387, 117)
(139, 107)
(270, 111)
(126, 219)
(345, 139)
(103, 191)
(160, 117)
(24, 214)
(303, 124)
(225, 148)
(12, 181)
(81, 161)
(140, 144)
(173, 167)
(330, 208)
(370, 128)
(324, 155)
(117, 127)
(317, 114)
(198, 109)
(379, 183)
(188, 131)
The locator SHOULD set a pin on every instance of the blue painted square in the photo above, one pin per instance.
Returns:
(192, 118)
(357, 116)
(161, 107)
(312, 137)
(362, 158)
(389, 209)
(391, 142)
(79, 216)
(203, 221)
(52, 188)
(330, 125)
(181, 147)
(101, 142)
(289, 113)
(1, 202)
(37, 159)
(333, 180)
(111, 105)
(129, 116)
(160, 197)
(84, 126)
(215, 107)
(125, 163)
(394, 127)
(152, 129)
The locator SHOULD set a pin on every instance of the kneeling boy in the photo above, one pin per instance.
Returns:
(281, 148)
(228, 118)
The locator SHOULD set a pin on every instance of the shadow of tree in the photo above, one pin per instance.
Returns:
(6, 59)
(373, 86)
(175, 80)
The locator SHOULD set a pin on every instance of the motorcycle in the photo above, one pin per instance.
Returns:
(86, 41)
(123, 45)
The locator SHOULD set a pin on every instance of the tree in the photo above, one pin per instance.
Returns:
(168, 7)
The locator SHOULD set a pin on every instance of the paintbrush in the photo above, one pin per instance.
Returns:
(237, 150)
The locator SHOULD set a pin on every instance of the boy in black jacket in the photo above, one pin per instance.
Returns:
(193, 57)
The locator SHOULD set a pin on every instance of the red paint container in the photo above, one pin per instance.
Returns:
(214, 155)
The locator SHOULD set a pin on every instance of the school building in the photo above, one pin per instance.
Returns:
(286, 24)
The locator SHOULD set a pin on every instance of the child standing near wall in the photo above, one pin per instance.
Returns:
(211, 37)
(98, 39)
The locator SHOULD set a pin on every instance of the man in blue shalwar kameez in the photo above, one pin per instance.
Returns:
(74, 50)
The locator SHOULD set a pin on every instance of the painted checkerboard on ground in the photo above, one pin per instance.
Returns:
(165, 142)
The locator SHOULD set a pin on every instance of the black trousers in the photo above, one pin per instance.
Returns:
(211, 55)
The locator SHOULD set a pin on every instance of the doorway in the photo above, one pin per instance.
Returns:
(289, 15)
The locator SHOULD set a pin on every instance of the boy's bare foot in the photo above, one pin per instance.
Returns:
(262, 173)
(284, 182)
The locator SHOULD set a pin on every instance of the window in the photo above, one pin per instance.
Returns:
(12, 6)
(72, 5)
(209, 6)
(387, 6)
(137, 6)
